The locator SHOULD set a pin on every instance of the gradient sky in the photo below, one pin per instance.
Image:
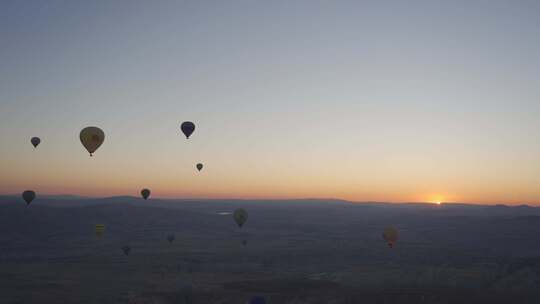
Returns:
(360, 100)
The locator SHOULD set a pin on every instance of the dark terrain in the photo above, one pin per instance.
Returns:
(303, 251)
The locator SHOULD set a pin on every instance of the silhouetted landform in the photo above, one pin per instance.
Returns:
(298, 251)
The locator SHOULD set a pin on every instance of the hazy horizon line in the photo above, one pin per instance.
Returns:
(278, 199)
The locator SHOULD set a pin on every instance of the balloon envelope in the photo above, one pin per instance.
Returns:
(390, 235)
(187, 128)
(35, 141)
(100, 229)
(145, 193)
(170, 238)
(28, 196)
(126, 250)
(199, 166)
(240, 216)
(92, 138)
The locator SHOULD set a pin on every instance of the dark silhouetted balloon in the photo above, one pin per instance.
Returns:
(390, 235)
(244, 242)
(240, 217)
(199, 166)
(145, 193)
(92, 138)
(187, 128)
(170, 238)
(35, 141)
(28, 196)
(100, 230)
(126, 250)
(257, 300)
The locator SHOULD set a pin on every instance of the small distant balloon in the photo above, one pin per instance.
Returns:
(187, 128)
(199, 166)
(35, 141)
(126, 250)
(92, 138)
(28, 196)
(100, 229)
(170, 238)
(244, 242)
(257, 300)
(145, 193)
(240, 217)
(390, 235)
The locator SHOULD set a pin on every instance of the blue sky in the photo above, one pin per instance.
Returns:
(363, 100)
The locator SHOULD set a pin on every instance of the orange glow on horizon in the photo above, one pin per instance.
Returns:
(242, 191)
(172, 177)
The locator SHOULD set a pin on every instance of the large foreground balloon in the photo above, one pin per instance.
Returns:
(92, 138)
(257, 300)
(100, 229)
(145, 193)
(126, 250)
(390, 235)
(28, 196)
(187, 128)
(199, 166)
(35, 141)
(240, 217)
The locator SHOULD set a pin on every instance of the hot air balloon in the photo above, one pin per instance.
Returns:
(390, 235)
(92, 138)
(244, 242)
(28, 196)
(35, 141)
(170, 238)
(126, 250)
(240, 217)
(100, 229)
(199, 166)
(145, 193)
(257, 300)
(187, 128)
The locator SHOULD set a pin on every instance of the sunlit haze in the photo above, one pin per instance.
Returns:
(358, 100)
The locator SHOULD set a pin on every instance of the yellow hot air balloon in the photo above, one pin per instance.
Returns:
(92, 138)
(390, 235)
(100, 229)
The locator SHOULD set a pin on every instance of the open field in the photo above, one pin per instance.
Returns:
(307, 251)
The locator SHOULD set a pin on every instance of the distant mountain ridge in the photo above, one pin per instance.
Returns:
(332, 205)
(295, 200)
